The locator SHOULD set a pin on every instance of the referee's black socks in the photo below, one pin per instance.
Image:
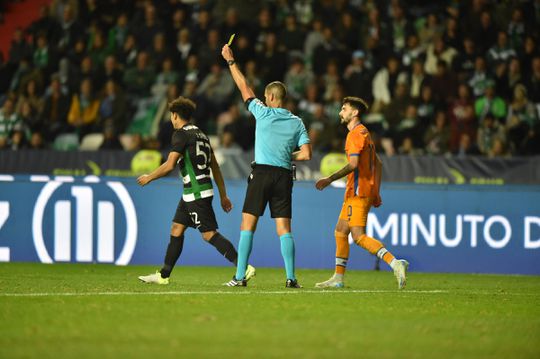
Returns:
(174, 249)
(224, 246)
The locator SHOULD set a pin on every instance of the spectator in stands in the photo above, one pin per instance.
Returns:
(110, 71)
(466, 146)
(490, 103)
(314, 38)
(159, 51)
(297, 78)
(117, 34)
(436, 52)
(357, 78)
(10, 123)
(44, 57)
(97, 49)
(501, 51)
(431, 30)
(522, 117)
(183, 49)
(251, 74)
(396, 110)
(444, 84)
(385, 81)
(309, 103)
(272, 61)
(527, 54)
(30, 118)
(437, 136)
(113, 109)
(452, 36)
(85, 71)
(167, 76)
(399, 27)
(292, 36)
(464, 61)
(516, 29)
(179, 22)
(202, 27)
(208, 51)
(488, 131)
(243, 51)
(84, 110)
(70, 27)
(140, 78)
(330, 80)
(146, 29)
(533, 83)
(19, 48)
(55, 110)
(484, 32)
(36, 141)
(412, 51)
(128, 53)
(462, 117)
(347, 31)
(45, 24)
(216, 88)
(417, 78)
(31, 95)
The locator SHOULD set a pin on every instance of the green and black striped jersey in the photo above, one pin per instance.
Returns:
(196, 152)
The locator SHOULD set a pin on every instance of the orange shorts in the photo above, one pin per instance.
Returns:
(355, 211)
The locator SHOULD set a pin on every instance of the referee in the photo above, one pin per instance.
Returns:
(277, 134)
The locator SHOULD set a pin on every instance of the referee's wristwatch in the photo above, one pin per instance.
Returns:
(231, 62)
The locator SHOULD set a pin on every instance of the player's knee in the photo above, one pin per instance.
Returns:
(360, 239)
(208, 235)
(176, 229)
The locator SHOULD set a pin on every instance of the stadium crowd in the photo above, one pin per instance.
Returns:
(442, 77)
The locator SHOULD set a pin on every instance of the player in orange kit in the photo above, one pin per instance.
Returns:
(363, 183)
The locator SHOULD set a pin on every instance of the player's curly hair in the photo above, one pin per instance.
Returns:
(357, 103)
(183, 107)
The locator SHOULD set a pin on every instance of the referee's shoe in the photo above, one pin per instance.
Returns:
(250, 273)
(292, 283)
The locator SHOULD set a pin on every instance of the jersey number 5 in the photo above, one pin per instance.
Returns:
(203, 149)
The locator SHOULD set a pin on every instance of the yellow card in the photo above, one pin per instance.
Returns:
(231, 39)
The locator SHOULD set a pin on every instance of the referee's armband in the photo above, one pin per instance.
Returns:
(248, 101)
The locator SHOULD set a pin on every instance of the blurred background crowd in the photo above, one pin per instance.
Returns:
(442, 77)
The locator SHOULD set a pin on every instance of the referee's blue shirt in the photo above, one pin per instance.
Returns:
(277, 133)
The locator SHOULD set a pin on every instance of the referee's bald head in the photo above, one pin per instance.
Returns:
(277, 89)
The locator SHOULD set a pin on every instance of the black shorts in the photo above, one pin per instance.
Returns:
(269, 184)
(198, 214)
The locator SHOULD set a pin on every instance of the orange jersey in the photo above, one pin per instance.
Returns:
(361, 182)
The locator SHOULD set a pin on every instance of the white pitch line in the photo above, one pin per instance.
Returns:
(240, 292)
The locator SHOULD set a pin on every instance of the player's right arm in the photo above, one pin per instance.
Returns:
(348, 168)
(161, 171)
(220, 183)
(237, 75)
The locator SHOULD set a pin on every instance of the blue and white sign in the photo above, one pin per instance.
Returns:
(108, 220)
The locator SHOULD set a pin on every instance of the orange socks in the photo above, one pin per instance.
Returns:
(342, 252)
(373, 246)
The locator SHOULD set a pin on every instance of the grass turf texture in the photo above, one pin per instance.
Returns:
(67, 310)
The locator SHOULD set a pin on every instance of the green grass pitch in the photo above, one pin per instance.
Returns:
(101, 311)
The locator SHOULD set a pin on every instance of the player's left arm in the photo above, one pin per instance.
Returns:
(163, 170)
(220, 183)
(348, 168)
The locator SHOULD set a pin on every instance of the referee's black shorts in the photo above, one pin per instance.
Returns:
(269, 184)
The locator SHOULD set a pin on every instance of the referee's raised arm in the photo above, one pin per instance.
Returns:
(237, 75)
